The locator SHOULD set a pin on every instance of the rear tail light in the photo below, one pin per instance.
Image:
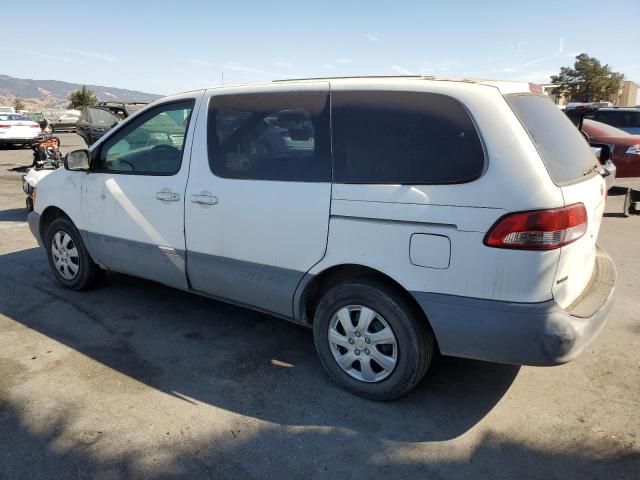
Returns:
(35, 126)
(285, 134)
(539, 229)
(4, 125)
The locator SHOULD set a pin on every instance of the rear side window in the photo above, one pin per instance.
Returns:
(562, 147)
(270, 136)
(386, 137)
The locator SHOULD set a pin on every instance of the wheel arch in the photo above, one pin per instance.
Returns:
(49, 215)
(313, 287)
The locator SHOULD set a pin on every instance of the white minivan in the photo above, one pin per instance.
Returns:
(397, 217)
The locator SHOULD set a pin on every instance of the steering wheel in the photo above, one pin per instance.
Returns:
(121, 160)
(167, 148)
(165, 156)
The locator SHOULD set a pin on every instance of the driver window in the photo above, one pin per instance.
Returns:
(152, 144)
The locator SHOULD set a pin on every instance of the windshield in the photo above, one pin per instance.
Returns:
(562, 147)
(12, 116)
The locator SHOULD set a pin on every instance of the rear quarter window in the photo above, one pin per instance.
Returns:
(563, 149)
(390, 137)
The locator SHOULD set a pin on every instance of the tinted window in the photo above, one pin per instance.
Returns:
(618, 118)
(152, 144)
(102, 118)
(403, 138)
(272, 136)
(562, 147)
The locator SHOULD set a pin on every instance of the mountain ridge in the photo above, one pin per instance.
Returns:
(40, 94)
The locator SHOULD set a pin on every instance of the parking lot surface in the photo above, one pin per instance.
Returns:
(137, 380)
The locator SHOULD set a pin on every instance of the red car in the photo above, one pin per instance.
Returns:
(626, 147)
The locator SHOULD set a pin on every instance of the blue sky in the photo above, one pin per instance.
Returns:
(170, 46)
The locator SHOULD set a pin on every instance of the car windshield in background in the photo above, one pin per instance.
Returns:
(12, 117)
(562, 147)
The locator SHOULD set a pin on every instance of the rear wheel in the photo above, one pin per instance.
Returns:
(371, 340)
(68, 258)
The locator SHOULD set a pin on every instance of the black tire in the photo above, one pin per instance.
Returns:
(414, 340)
(88, 272)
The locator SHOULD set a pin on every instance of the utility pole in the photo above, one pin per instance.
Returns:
(222, 78)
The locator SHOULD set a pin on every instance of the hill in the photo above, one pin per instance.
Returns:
(51, 94)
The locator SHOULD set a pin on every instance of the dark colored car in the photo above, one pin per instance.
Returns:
(626, 147)
(121, 109)
(66, 122)
(39, 118)
(626, 119)
(95, 121)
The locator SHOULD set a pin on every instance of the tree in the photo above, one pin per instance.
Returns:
(18, 104)
(587, 81)
(82, 98)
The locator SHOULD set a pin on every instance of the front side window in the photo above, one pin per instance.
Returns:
(271, 136)
(151, 145)
(390, 137)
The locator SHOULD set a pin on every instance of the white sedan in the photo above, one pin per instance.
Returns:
(17, 129)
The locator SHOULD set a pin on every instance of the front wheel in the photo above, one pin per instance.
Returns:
(68, 258)
(371, 340)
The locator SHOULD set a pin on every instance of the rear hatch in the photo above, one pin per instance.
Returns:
(575, 170)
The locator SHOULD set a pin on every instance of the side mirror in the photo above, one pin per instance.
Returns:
(78, 160)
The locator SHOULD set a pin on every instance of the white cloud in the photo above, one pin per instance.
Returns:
(93, 55)
(343, 60)
(265, 73)
(197, 61)
(401, 70)
(54, 58)
(371, 37)
(522, 66)
(531, 76)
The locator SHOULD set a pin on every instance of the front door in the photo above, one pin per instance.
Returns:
(258, 197)
(134, 195)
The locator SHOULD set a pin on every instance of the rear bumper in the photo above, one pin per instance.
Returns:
(522, 333)
(11, 141)
(33, 219)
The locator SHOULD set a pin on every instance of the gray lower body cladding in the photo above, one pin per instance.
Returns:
(521, 333)
(33, 220)
(504, 332)
(267, 288)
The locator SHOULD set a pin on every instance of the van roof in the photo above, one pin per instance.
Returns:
(504, 86)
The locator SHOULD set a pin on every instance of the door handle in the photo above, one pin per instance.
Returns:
(167, 196)
(203, 199)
